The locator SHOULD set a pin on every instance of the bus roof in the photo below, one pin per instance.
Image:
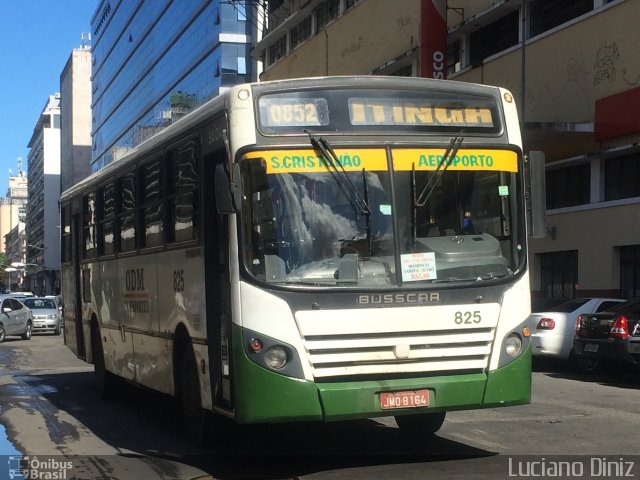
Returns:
(202, 112)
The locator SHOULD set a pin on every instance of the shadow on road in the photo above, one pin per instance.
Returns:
(143, 422)
(621, 376)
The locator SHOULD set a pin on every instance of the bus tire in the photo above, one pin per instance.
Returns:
(103, 379)
(421, 424)
(194, 417)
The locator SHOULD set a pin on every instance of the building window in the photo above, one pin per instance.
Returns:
(547, 14)
(454, 63)
(273, 5)
(301, 32)
(622, 177)
(567, 187)
(325, 12)
(494, 38)
(278, 49)
(350, 3)
(404, 71)
(559, 274)
(630, 271)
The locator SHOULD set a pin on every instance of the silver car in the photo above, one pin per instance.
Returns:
(15, 319)
(46, 316)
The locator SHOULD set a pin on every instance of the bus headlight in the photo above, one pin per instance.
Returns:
(275, 357)
(272, 354)
(513, 345)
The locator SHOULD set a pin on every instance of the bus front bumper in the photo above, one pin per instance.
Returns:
(263, 396)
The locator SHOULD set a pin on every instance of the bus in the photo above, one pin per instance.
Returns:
(317, 250)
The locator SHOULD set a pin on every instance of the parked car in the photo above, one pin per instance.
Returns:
(553, 330)
(15, 319)
(46, 315)
(634, 344)
(605, 336)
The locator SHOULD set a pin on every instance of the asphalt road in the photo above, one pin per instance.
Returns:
(51, 412)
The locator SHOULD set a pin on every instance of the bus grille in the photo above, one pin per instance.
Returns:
(397, 341)
(409, 352)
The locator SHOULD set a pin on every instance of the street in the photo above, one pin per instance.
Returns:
(50, 410)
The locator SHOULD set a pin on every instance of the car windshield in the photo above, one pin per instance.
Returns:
(570, 305)
(630, 306)
(40, 303)
(368, 217)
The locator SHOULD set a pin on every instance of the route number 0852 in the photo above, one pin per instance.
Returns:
(467, 318)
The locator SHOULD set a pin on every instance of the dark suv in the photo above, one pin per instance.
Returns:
(604, 336)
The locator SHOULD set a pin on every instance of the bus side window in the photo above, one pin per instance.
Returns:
(182, 215)
(89, 208)
(151, 211)
(127, 211)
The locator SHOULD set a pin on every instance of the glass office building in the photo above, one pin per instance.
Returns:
(155, 60)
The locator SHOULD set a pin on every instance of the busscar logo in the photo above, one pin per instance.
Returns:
(398, 298)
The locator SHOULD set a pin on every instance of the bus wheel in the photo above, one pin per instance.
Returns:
(193, 415)
(425, 423)
(104, 380)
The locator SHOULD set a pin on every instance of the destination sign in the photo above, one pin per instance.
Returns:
(306, 161)
(292, 111)
(408, 112)
(465, 159)
(370, 159)
(377, 110)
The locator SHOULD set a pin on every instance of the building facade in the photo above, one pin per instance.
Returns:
(13, 207)
(15, 249)
(573, 68)
(75, 118)
(155, 60)
(43, 216)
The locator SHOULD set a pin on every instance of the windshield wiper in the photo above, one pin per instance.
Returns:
(447, 159)
(332, 163)
(421, 199)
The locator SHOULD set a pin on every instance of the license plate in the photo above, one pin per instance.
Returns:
(405, 399)
(591, 347)
(634, 347)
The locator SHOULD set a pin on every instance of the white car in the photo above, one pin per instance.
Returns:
(553, 331)
(15, 319)
(46, 316)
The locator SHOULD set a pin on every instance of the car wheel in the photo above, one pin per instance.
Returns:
(421, 424)
(193, 415)
(585, 364)
(27, 331)
(2, 333)
(57, 330)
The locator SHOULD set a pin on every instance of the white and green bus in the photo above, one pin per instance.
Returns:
(317, 249)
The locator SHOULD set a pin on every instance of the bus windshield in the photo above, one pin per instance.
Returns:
(364, 218)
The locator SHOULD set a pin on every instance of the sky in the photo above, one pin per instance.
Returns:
(36, 40)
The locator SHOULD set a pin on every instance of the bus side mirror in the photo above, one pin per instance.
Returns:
(228, 189)
(536, 194)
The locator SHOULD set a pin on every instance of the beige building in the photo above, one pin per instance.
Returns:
(13, 206)
(75, 118)
(572, 65)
